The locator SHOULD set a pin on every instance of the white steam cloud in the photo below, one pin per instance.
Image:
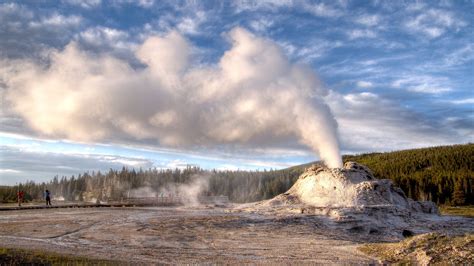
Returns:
(187, 193)
(254, 94)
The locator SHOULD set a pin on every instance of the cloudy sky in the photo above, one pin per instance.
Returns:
(93, 85)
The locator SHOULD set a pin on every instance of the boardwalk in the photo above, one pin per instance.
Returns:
(125, 202)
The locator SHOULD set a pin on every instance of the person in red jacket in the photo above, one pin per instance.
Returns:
(20, 196)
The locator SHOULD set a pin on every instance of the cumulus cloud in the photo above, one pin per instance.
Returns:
(322, 10)
(423, 84)
(253, 95)
(140, 3)
(103, 36)
(368, 20)
(459, 56)
(261, 24)
(192, 20)
(13, 10)
(364, 84)
(112, 41)
(359, 33)
(57, 20)
(243, 5)
(191, 24)
(83, 3)
(310, 50)
(25, 32)
(434, 23)
(375, 123)
(318, 9)
(463, 101)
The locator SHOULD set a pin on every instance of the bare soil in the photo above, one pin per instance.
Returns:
(179, 235)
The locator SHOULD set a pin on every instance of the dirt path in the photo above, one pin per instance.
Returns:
(177, 235)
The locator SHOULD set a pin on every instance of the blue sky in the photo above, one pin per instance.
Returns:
(394, 76)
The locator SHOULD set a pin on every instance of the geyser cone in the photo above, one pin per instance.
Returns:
(351, 201)
(354, 185)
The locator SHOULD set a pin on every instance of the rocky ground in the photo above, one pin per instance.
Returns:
(178, 235)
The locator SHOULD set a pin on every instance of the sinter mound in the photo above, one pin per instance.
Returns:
(351, 200)
(351, 186)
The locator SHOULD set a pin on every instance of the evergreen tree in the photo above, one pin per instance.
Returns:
(459, 196)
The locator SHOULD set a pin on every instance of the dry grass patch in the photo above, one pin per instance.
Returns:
(16, 256)
(432, 248)
(466, 211)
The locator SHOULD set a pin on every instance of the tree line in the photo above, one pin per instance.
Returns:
(444, 175)
(441, 174)
(239, 186)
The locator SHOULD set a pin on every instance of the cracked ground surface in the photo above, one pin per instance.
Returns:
(178, 235)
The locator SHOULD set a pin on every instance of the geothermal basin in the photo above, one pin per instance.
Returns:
(304, 225)
(177, 235)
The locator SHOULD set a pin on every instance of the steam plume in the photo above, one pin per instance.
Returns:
(253, 95)
(188, 192)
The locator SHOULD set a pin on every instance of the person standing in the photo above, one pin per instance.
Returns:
(47, 196)
(20, 195)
